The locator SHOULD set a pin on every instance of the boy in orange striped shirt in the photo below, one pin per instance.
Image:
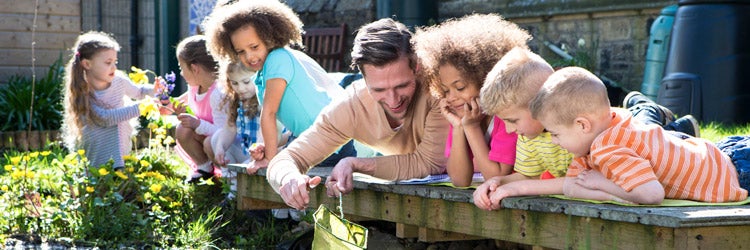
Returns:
(619, 158)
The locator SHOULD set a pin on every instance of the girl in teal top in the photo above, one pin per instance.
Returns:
(259, 34)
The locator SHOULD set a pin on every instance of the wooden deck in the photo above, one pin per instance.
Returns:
(442, 213)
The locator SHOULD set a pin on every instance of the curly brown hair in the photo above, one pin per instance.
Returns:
(277, 26)
(472, 44)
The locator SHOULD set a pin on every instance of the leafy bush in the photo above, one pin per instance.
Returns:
(16, 96)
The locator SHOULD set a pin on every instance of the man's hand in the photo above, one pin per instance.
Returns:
(482, 194)
(295, 192)
(340, 180)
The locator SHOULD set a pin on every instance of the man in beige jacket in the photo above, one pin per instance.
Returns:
(389, 111)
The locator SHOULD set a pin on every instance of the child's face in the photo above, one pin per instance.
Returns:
(187, 73)
(455, 89)
(242, 84)
(249, 47)
(100, 69)
(519, 120)
(569, 137)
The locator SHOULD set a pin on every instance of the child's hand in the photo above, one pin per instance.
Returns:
(220, 157)
(591, 179)
(482, 194)
(179, 107)
(158, 86)
(472, 113)
(189, 121)
(254, 166)
(448, 114)
(258, 151)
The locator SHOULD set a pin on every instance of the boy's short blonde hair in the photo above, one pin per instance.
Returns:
(569, 93)
(514, 81)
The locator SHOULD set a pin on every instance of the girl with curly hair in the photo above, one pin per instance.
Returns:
(259, 34)
(456, 56)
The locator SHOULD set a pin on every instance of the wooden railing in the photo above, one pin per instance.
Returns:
(433, 213)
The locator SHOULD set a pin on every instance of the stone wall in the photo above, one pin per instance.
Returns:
(615, 33)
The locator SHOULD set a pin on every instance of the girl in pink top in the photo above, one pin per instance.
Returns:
(456, 57)
(194, 132)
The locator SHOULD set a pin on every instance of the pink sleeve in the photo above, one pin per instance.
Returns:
(502, 144)
(449, 141)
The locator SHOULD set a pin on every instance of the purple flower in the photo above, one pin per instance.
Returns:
(170, 78)
(169, 86)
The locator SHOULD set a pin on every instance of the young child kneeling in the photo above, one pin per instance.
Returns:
(619, 158)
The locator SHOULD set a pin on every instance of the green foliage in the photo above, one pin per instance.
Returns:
(16, 96)
(716, 131)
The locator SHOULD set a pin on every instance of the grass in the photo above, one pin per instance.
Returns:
(715, 131)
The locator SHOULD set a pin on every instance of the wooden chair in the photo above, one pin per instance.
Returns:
(326, 46)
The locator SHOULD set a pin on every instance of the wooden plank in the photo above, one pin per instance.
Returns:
(46, 7)
(24, 22)
(406, 231)
(44, 40)
(22, 57)
(726, 237)
(435, 235)
(325, 45)
(245, 203)
(556, 226)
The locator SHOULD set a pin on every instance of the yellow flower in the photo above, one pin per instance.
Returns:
(26, 158)
(148, 109)
(145, 163)
(16, 174)
(153, 126)
(138, 76)
(89, 189)
(155, 188)
(4, 188)
(8, 168)
(121, 175)
(128, 157)
(34, 154)
(15, 160)
(103, 171)
(129, 169)
(175, 204)
(46, 153)
(169, 140)
(156, 208)
(147, 196)
(30, 174)
(81, 152)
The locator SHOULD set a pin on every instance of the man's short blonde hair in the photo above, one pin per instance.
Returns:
(569, 93)
(514, 81)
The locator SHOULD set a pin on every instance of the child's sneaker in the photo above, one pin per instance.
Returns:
(634, 98)
(198, 175)
(688, 125)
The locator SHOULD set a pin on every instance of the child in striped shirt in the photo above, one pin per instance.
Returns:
(622, 159)
(96, 115)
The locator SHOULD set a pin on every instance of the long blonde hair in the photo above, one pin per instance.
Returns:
(79, 95)
(232, 98)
